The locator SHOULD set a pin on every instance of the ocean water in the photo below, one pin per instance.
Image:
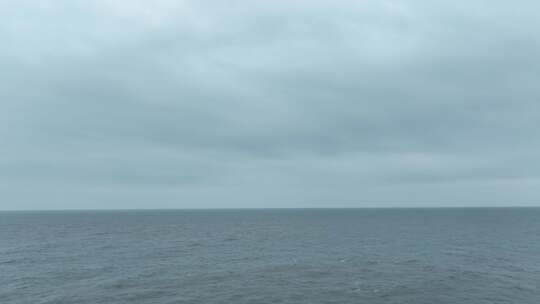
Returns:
(271, 256)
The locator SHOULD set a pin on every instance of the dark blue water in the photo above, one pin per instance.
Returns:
(271, 256)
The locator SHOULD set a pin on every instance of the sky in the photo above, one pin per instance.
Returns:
(114, 104)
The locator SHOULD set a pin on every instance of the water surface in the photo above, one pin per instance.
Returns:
(271, 256)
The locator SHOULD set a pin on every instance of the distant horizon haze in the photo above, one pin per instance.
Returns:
(274, 208)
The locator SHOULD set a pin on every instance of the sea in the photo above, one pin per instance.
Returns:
(431, 256)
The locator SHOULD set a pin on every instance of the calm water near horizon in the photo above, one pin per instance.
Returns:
(461, 255)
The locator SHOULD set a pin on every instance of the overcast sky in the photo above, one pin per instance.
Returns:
(218, 104)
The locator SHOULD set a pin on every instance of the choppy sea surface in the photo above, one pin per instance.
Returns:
(271, 256)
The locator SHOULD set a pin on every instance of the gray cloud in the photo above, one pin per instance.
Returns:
(122, 104)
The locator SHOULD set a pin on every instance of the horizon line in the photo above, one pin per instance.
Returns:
(265, 208)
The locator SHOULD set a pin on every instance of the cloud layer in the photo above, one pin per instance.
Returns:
(200, 104)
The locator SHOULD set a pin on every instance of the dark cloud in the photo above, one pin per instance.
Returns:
(119, 104)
